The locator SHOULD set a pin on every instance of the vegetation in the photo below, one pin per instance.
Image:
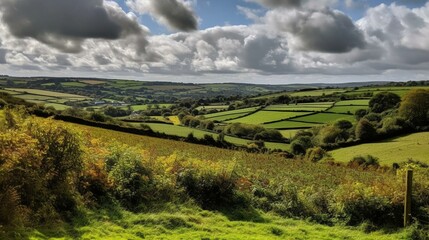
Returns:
(90, 182)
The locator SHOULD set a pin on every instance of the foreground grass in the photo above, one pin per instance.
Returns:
(396, 150)
(190, 223)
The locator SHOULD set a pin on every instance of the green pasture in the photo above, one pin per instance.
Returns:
(238, 111)
(227, 117)
(9, 92)
(346, 109)
(289, 125)
(298, 107)
(289, 133)
(73, 84)
(145, 107)
(34, 97)
(57, 106)
(414, 146)
(324, 117)
(185, 131)
(217, 107)
(46, 93)
(358, 102)
(267, 116)
(317, 93)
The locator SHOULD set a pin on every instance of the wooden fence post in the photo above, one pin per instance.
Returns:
(408, 192)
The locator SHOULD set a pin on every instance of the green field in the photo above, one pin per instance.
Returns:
(57, 106)
(46, 93)
(299, 107)
(210, 107)
(193, 223)
(324, 118)
(267, 116)
(359, 102)
(413, 146)
(146, 106)
(316, 93)
(74, 84)
(185, 131)
(34, 97)
(346, 109)
(289, 125)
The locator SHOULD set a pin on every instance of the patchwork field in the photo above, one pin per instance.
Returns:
(289, 124)
(396, 150)
(267, 116)
(324, 118)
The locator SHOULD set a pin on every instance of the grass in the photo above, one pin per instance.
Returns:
(34, 97)
(73, 84)
(46, 93)
(57, 106)
(232, 112)
(311, 108)
(346, 109)
(289, 125)
(266, 116)
(359, 102)
(324, 117)
(316, 93)
(146, 106)
(289, 133)
(397, 150)
(185, 131)
(217, 107)
(193, 223)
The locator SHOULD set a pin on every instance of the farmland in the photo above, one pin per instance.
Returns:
(414, 146)
(266, 194)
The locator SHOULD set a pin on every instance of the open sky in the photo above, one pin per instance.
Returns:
(255, 41)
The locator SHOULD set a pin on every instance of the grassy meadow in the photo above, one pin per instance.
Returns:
(396, 150)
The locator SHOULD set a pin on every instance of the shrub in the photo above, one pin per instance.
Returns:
(364, 162)
(415, 107)
(300, 145)
(315, 154)
(210, 189)
(383, 101)
(132, 182)
(365, 130)
(40, 163)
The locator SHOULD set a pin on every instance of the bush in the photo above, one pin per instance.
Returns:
(300, 145)
(40, 164)
(315, 154)
(210, 190)
(365, 130)
(384, 101)
(364, 162)
(132, 182)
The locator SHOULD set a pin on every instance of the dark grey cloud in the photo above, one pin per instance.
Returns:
(65, 24)
(102, 60)
(3, 56)
(177, 15)
(324, 30)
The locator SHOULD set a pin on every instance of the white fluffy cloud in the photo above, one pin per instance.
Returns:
(389, 38)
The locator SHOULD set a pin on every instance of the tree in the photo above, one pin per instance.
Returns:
(415, 107)
(383, 101)
(365, 130)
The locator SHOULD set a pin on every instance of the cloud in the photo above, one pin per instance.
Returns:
(176, 14)
(284, 43)
(322, 30)
(307, 4)
(3, 56)
(65, 24)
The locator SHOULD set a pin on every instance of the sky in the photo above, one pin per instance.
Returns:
(252, 41)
